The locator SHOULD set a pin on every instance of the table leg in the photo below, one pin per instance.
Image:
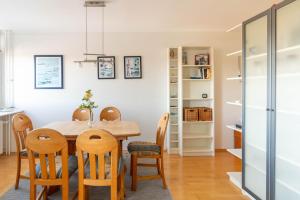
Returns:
(120, 148)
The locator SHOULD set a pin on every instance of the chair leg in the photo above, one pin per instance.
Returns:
(134, 172)
(65, 191)
(81, 191)
(32, 191)
(162, 171)
(131, 163)
(158, 166)
(18, 171)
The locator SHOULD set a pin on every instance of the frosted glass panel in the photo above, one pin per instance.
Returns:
(287, 103)
(255, 106)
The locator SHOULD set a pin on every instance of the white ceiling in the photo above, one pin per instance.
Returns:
(128, 15)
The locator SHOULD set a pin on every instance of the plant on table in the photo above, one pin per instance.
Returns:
(87, 103)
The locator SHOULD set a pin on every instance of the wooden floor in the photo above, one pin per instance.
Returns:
(188, 178)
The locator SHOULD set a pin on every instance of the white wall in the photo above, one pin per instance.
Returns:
(142, 100)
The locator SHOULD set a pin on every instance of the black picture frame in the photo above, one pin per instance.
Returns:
(37, 65)
(114, 67)
(126, 73)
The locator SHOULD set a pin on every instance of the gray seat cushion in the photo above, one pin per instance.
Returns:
(139, 146)
(121, 164)
(72, 167)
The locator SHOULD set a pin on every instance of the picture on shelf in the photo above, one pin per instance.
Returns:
(132, 67)
(202, 59)
(106, 67)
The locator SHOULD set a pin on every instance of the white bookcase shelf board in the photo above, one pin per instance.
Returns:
(236, 152)
(194, 77)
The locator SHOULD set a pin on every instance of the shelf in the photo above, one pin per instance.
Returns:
(174, 98)
(234, 53)
(236, 152)
(197, 122)
(233, 127)
(197, 99)
(194, 79)
(234, 78)
(196, 65)
(174, 124)
(174, 141)
(237, 103)
(235, 178)
(189, 137)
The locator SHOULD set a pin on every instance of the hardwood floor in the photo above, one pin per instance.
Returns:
(188, 178)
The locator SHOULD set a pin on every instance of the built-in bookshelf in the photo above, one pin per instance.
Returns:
(172, 137)
(195, 89)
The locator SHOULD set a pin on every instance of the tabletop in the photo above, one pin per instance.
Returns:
(116, 128)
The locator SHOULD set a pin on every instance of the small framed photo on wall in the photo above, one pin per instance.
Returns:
(202, 59)
(132, 67)
(48, 72)
(106, 67)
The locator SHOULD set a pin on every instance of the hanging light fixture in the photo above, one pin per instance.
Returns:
(87, 4)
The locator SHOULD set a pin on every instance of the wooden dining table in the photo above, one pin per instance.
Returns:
(121, 130)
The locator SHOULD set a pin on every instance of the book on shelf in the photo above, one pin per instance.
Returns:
(202, 73)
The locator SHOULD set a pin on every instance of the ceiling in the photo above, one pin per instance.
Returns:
(128, 15)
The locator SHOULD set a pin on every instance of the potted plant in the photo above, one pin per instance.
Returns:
(87, 103)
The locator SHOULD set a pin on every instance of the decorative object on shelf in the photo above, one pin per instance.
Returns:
(173, 54)
(184, 58)
(202, 59)
(132, 67)
(106, 67)
(204, 96)
(205, 114)
(87, 103)
(190, 114)
(202, 73)
(48, 72)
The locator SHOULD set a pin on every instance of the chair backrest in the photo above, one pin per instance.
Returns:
(99, 145)
(47, 143)
(81, 114)
(110, 114)
(161, 130)
(21, 125)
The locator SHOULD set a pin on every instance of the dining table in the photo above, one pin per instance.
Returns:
(121, 130)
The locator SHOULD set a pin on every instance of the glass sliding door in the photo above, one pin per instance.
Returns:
(287, 170)
(256, 70)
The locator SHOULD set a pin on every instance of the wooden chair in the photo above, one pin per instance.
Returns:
(110, 114)
(102, 168)
(149, 150)
(81, 115)
(21, 125)
(48, 143)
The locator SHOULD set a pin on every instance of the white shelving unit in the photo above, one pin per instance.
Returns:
(173, 136)
(190, 138)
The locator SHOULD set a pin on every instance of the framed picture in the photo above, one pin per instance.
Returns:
(106, 67)
(48, 72)
(132, 67)
(202, 59)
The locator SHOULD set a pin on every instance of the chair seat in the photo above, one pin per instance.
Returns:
(143, 148)
(72, 167)
(24, 153)
(107, 173)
